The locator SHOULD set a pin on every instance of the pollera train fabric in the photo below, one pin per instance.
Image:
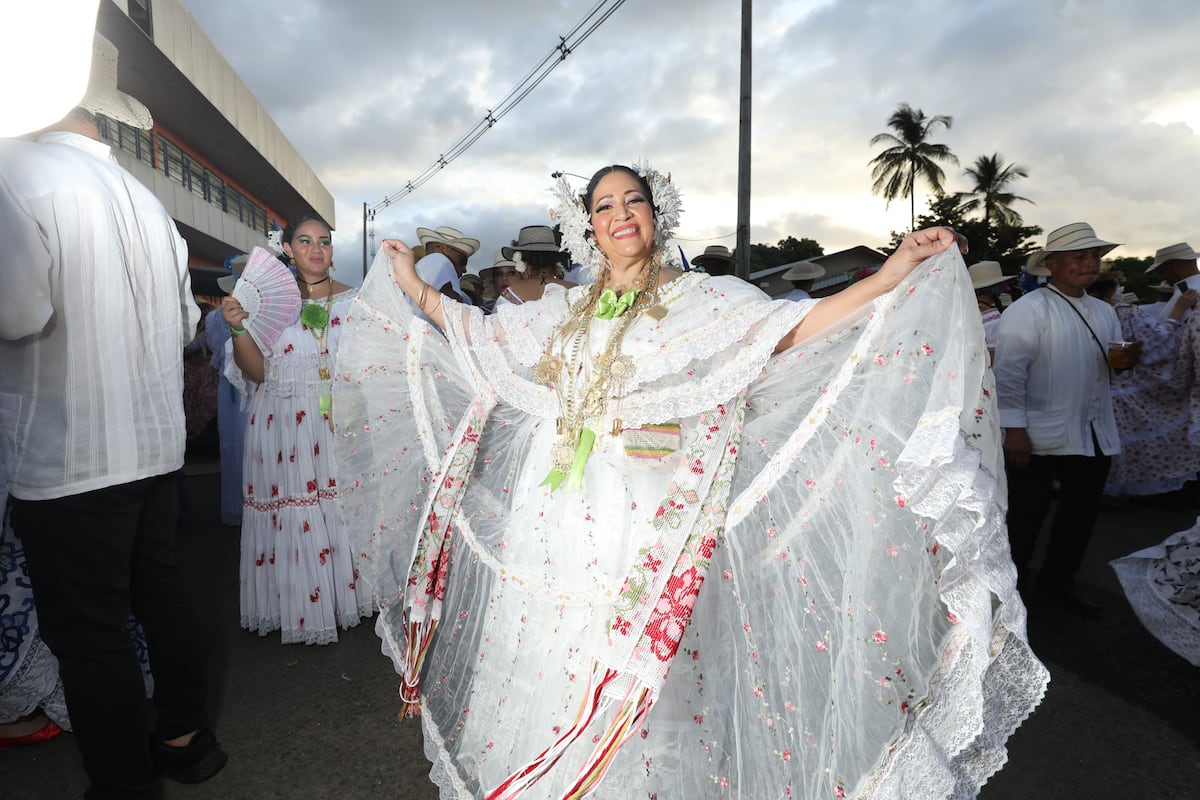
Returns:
(857, 632)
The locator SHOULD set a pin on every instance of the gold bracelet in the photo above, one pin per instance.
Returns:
(421, 297)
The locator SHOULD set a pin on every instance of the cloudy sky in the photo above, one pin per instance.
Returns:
(1099, 100)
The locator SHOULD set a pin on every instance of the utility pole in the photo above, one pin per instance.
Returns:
(742, 267)
(365, 264)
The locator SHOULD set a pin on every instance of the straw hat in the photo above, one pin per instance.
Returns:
(103, 96)
(533, 239)
(1173, 252)
(987, 273)
(236, 265)
(713, 254)
(498, 261)
(1035, 267)
(804, 271)
(451, 237)
(1163, 288)
(1076, 236)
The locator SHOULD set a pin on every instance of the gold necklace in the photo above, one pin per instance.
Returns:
(584, 397)
(324, 394)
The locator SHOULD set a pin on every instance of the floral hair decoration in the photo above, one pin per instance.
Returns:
(575, 222)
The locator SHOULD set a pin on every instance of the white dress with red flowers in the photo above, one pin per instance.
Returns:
(297, 571)
(785, 576)
(1154, 405)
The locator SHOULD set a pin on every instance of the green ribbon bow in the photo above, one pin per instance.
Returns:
(583, 449)
(609, 305)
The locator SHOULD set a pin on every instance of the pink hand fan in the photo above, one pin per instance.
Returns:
(268, 292)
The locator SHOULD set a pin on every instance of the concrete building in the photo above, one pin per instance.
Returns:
(215, 158)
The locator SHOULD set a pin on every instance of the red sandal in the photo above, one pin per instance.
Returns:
(44, 734)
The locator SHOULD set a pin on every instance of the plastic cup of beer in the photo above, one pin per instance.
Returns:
(1120, 355)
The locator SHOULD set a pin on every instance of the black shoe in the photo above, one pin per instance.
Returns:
(196, 762)
(1066, 593)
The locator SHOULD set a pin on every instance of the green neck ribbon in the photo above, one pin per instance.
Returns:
(609, 305)
(587, 438)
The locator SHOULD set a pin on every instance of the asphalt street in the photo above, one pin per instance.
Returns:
(1121, 718)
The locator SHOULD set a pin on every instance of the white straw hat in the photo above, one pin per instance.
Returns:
(804, 271)
(1076, 236)
(1173, 252)
(451, 237)
(499, 260)
(987, 273)
(103, 96)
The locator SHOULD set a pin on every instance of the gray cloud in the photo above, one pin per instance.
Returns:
(1092, 98)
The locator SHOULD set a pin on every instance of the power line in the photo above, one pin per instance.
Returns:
(598, 14)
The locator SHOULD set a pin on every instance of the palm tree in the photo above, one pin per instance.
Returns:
(990, 196)
(909, 155)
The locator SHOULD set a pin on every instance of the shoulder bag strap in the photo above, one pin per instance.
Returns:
(1095, 338)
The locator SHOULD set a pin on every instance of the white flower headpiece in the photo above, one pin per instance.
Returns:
(519, 263)
(575, 222)
(275, 241)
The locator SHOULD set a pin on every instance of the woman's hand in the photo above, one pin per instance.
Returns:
(233, 313)
(404, 275)
(245, 350)
(401, 257)
(915, 248)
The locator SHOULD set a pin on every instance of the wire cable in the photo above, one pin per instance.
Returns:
(596, 17)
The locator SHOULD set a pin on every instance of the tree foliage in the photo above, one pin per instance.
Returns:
(786, 251)
(1008, 244)
(1135, 278)
(909, 155)
(991, 198)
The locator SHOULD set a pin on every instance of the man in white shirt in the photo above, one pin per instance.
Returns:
(802, 274)
(1052, 385)
(447, 252)
(94, 316)
(1175, 264)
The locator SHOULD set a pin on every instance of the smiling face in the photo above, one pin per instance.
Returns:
(312, 250)
(1073, 271)
(622, 218)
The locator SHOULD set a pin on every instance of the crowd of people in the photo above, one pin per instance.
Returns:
(627, 529)
(1098, 396)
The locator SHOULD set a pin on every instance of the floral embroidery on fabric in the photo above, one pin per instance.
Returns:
(695, 502)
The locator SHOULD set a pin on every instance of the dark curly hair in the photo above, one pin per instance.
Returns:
(603, 171)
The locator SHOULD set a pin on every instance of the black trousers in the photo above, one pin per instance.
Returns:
(1081, 482)
(94, 558)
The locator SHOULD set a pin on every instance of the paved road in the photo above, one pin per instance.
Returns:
(1121, 718)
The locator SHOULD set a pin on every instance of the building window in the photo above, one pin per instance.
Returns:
(139, 12)
(138, 143)
(184, 170)
(172, 161)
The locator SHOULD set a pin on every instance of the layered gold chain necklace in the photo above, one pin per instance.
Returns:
(584, 385)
